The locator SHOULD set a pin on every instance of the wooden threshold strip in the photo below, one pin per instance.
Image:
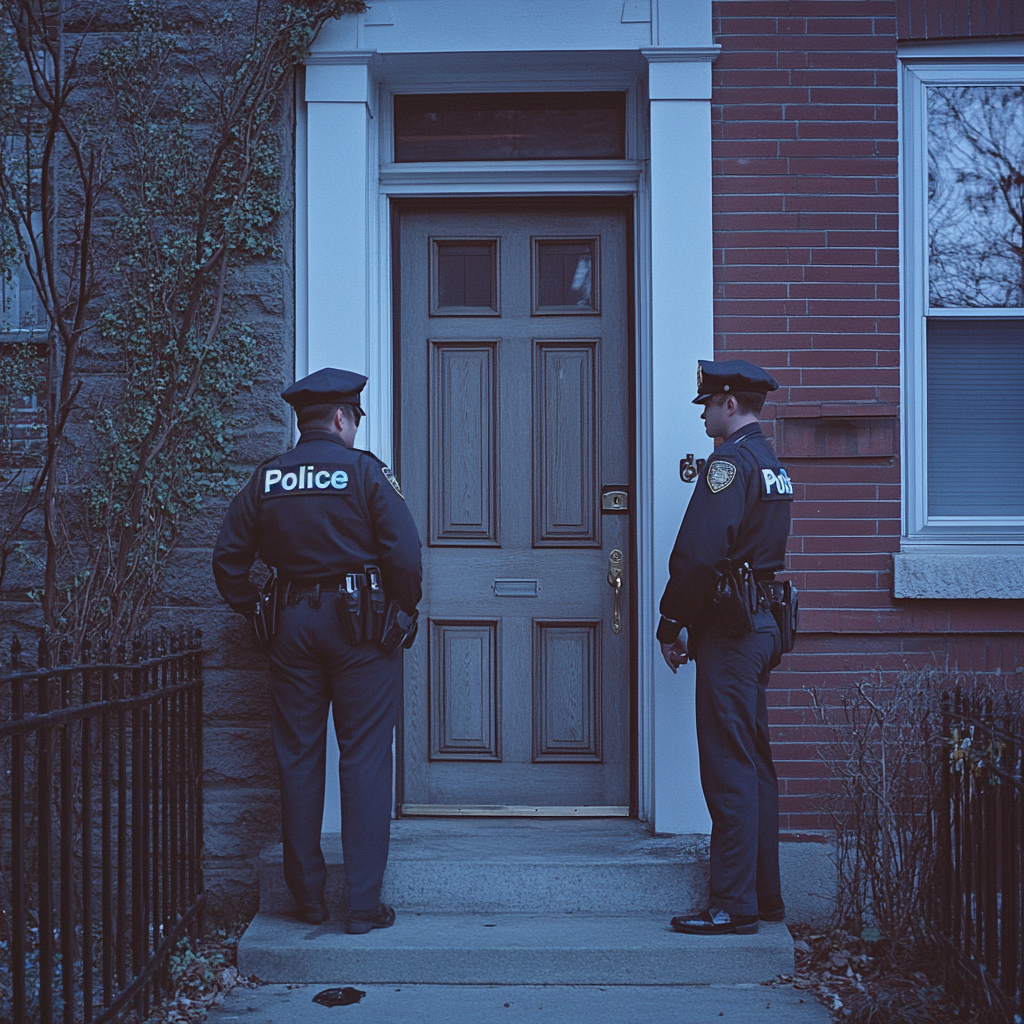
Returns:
(510, 811)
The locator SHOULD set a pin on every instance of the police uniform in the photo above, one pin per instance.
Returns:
(739, 510)
(316, 514)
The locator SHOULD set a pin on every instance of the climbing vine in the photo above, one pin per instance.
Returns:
(163, 147)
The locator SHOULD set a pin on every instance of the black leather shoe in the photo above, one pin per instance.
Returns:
(771, 908)
(310, 913)
(715, 922)
(359, 922)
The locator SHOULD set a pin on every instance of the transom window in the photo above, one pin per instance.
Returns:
(510, 126)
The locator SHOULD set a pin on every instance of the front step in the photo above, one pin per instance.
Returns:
(510, 949)
(520, 902)
(479, 865)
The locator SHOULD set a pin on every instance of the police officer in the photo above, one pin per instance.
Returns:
(740, 511)
(318, 515)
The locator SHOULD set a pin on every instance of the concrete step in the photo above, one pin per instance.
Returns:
(510, 949)
(465, 866)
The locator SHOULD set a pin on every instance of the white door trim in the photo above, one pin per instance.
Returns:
(344, 314)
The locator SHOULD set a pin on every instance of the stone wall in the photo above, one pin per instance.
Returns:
(240, 777)
(240, 772)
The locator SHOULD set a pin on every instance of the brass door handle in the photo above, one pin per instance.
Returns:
(615, 582)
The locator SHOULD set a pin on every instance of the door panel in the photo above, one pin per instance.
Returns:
(513, 361)
(566, 400)
(463, 429)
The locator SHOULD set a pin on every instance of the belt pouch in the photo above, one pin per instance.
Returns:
(376, 605)
(259, 625)
(784, 606)
(350, 609)
(399, 629)
(735, 598)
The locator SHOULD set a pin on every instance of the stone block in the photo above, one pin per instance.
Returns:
(188, 579)
(236, 695)
(809, 880)
(956, 575)
(240, 754)
(238, 822)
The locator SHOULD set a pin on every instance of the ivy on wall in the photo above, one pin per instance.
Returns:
(138, 177)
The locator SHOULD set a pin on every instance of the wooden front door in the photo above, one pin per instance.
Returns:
(514, 445)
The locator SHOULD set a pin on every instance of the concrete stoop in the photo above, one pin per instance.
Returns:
(499, 902)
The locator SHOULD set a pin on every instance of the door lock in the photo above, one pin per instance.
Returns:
(615, 582)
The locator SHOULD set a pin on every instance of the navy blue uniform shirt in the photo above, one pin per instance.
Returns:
(740, 510)
(315, 513)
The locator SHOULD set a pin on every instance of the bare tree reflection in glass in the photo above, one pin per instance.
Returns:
(975, 196)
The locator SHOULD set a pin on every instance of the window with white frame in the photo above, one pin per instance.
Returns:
(22, 355)
(962, 146)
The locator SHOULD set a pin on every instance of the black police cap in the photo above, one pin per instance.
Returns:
(326, 385)
(722, 376)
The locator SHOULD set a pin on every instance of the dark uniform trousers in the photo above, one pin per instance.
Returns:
(736, 769)
(313, 665)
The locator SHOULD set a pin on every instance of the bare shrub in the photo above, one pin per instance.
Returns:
(893, 743)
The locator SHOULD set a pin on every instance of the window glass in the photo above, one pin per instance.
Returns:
(464, 277)
(975, 417)
(565, 276)
(975, 196)
(510, 126)
(464, 274)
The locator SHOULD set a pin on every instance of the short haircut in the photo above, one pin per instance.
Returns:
(321, 416)
(750, 401)
(746, 401)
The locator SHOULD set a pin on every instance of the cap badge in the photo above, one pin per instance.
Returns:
(720, 475)
(700, 376)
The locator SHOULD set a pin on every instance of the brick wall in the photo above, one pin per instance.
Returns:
(805, 149)
(948, 19)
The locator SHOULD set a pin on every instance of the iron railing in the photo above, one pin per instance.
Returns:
(102, 829)
(981, 858)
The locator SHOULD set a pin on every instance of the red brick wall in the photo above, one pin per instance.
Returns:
(806, 235)
(949, 19)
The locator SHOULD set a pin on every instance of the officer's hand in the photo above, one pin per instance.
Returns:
(675, 654)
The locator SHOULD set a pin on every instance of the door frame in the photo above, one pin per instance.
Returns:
(343, 269)
(628, 211)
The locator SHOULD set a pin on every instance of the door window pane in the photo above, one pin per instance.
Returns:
(511, 126)
(565, 276)
(975, 417)
(465, 277)
(975, 196)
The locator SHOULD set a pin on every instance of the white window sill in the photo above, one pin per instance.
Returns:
(959, 573)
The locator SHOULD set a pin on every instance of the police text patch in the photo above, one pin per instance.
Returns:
(776, 484)
(720, 475)
(309, 479)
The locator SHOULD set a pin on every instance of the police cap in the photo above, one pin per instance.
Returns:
(326, 385)
(720, 377)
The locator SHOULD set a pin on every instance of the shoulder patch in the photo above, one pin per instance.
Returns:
(391, 479)
(720, 475)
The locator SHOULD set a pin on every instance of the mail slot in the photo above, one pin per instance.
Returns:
(615, 501)
(516, 588)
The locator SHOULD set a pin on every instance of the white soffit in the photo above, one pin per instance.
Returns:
(468, 26)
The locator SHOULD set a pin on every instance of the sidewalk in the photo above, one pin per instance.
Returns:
(506, 1004)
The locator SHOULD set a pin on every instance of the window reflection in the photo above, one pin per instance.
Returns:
(975, 196)
(565, 276)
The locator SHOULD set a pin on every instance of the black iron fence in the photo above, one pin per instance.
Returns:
(102, 825)
(982, 856)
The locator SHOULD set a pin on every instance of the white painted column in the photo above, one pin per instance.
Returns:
(682, 327)
(338, 112)
(336, 267)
